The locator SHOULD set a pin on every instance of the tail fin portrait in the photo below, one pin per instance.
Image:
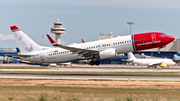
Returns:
(25, 44)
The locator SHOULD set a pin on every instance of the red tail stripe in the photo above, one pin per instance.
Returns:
(14, 28)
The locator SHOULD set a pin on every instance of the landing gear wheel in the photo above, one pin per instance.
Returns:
(97, 62)
(91, 62)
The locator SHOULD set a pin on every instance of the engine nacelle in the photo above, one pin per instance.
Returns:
(163, 65)
(109, 53)
(119, 55)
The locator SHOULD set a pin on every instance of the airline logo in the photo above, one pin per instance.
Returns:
(55, 51)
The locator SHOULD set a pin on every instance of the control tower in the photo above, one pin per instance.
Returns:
(57, 29)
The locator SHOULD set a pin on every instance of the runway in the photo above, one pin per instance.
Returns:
(92, 76)
(96, 69)
(56, 73)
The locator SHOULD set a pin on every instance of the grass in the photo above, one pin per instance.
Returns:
(43, 97)
(34, 93)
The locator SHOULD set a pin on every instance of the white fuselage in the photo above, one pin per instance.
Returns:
(59, 55)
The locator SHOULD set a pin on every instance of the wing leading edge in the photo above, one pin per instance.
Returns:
(83, 52)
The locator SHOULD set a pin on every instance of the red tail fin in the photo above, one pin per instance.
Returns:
(50, 39)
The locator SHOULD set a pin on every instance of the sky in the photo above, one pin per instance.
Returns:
(85, 19)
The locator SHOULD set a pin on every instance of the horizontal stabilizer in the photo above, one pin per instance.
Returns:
(17, 55)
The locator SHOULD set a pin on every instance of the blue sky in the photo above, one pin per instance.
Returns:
(86, 18)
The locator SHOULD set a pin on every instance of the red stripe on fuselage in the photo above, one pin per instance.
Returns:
(149, 40)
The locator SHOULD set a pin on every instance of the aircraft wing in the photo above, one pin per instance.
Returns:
(17, 55)
(84, 52)
(155, 63)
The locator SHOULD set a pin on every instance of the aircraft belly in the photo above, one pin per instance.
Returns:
(60, 58)
(66, 58)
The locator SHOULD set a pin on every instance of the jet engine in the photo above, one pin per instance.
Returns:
(118, 56)
(164, 65)
(109, 53)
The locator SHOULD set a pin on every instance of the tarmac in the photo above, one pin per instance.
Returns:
(12, 73)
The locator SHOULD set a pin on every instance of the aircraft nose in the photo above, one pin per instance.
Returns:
(170, 38)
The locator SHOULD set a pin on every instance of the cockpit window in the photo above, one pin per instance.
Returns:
(163, 35)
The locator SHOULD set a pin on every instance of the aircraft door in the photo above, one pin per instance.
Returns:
(41, 56)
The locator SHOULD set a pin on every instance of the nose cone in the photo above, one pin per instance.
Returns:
(170, 38)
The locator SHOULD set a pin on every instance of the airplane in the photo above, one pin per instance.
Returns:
(108, 48)
(164, 63)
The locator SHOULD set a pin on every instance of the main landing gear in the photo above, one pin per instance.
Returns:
(92, 62)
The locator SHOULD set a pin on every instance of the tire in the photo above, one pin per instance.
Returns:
(97, 62)
(91, 62)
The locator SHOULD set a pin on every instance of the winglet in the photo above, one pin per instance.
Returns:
(14, 28)
(82, 40)
(50, 39)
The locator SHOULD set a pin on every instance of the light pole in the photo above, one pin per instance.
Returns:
(130, 23)
(42, 40)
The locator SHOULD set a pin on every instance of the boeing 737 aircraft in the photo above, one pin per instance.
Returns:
(108, 48)
(164, 63)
